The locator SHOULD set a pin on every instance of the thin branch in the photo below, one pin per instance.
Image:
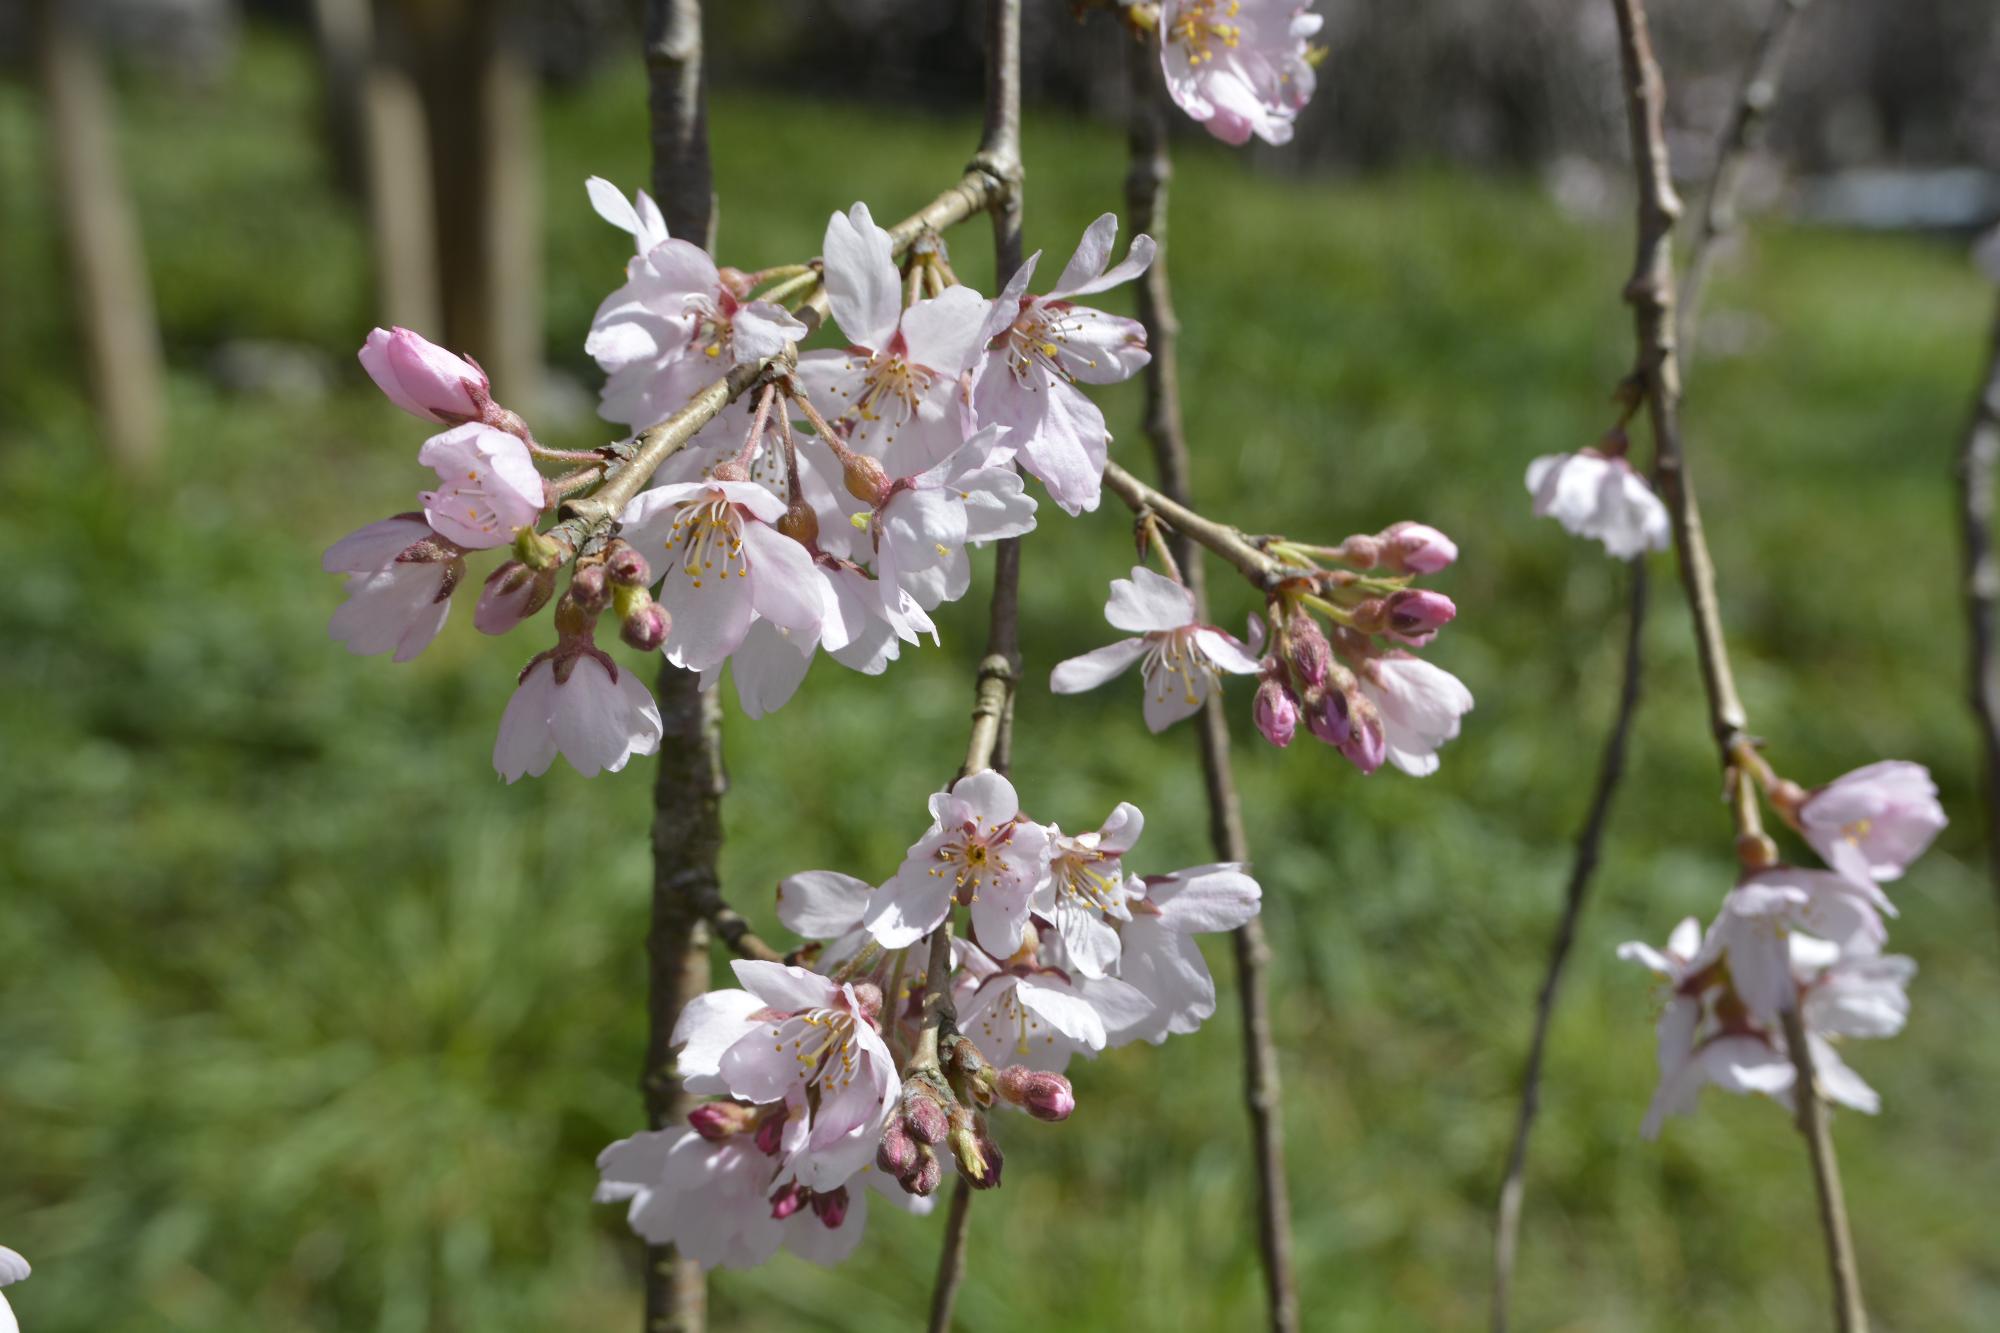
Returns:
(1717, 217)
(1651, 296)
(1146, 195)
(1977, 458)
(1589, 841)
(951, 1259)
(1850, 1315)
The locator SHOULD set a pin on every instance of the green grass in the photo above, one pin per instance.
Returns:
(306, 1021)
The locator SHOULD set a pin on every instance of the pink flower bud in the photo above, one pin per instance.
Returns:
(924, 1178)
(924, 1116)
(512, 593)
(896, 1153)
(831, 1208)
(423, 379)
(788, 1201)
(977, 1156)
(647, 627)
(1276, 711)
(1327, 716)
(1415, 548)
(1307, 649)
(770, 1135)
(1366, 745)
(1417, 614)
(626, 567)
(716, 1121)
(590, 588)
(1043, 1096)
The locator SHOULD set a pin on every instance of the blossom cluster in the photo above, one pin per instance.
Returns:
(853, 1068)
(1791, 938)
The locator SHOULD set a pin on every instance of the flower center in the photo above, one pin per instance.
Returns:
(972, 858)
(1173, 663)
(1040, 337)
(1080, 879)
(823, 1044)
(1202, 26)
(708, 537)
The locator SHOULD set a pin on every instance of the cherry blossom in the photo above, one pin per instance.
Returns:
(423, 379)
(1032, 1013)
(674, 325)
(577, 701)
(725, 566)
(512, 593)
(1239, 67)
(1039, 347)
(1872, 823)
(1158, 954)
(487, 486)
(981, 852)
(922, 528)
(1086, 886)
(1419, 706)
(896, 381)
(13, 1268)
(1601, 498)
(400, 577)
(1179, 657)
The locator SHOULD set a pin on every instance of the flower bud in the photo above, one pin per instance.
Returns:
(924, 1115)
(770, 1135)
(626, 567)
(716, 1121)
(1276, 710)
(1043, 1096)
(831, 1208)
(512, 593)
(971, 1076)
(647, 627)
(866, 480)
(1366, 745)
(537, 550)
(1327, 715)
(1416, 615)
(424, 379)
(1416, 548)
(1306, 649)
(590, 588)
(801, 524)
(977, 1156)
(896, 1152)
(788, 1201)
(924, 1178)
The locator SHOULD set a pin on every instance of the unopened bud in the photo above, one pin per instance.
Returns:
(590, 588)
(924, 1115)
(1366, 745)
(866, 479)
(1327, 715)
(647, 627)
(626, 567)
(969, 1071)
(896, 1151)
(969, 1146)
(1276, 710)
(1042, 1095)
(512, 593)
(1417, 614)
(1307, 650)
(831, 1208)
(716, 1121)
(801, 524)
(788, 1201)
(1416, 548)
(770, 1135)
(924, 1178)
(424, 379)
(538, 551)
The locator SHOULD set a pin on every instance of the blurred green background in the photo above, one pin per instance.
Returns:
(307, 1021)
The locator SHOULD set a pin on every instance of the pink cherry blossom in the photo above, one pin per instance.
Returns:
(1601, 498)
(487, 486)
(725, 565)
(1416, 548)
(674, 325)
(896, 382)
(1419, 705)
(1239, 67)
(1158, 953)
(867, 620)
(1179, 657)
(581, 705)
(423, 379)
(1034, 1014)
(979, 851)
(1039, 347)
(1872, 823)
(400, 577)
(922, 529)
(1086, 885)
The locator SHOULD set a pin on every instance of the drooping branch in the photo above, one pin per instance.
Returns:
(1978, 455)
(1650, 292)
(1146, 196)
